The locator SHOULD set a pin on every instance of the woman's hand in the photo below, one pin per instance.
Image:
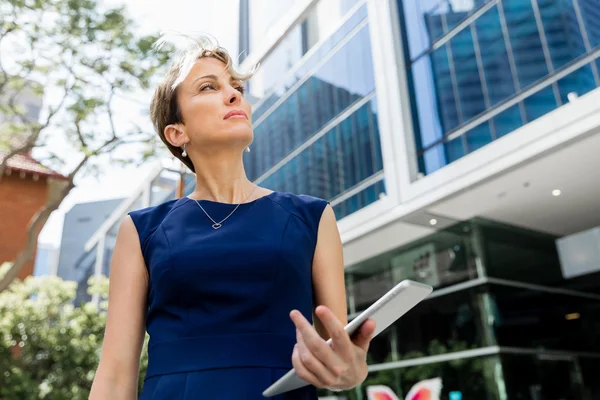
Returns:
(343, 365)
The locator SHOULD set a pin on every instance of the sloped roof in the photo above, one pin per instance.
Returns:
(26, 163)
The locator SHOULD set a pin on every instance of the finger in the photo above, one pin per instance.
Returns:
(302, 371)
(329, 376)
(313, 341)
(340, 339)
(365, 334)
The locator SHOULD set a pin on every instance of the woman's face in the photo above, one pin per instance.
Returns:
(214, 110)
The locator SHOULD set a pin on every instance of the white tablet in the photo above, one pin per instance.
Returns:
(385, 311)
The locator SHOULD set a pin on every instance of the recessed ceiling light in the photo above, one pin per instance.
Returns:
(556, 192)
(433, 221)
(572, 316)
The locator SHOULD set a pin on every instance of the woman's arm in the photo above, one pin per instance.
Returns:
(343, 365)
(328, 271)
(117, 374)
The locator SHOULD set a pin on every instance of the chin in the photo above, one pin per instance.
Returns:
(241, 137)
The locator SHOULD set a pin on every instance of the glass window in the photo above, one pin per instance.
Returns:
(442, 259)
(316, 26)
(445, 324)
(509, 120)
(316, 102)
(422, 20)
(287, 53)
(264, 15)
(342, 158)
(518, 254)
(550, 377)
(301, 106)
(479, 136)
(496, 56)
(535, 319)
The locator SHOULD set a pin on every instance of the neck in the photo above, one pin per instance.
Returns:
(221, 177)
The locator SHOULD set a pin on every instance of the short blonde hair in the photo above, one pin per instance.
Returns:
(164, 109)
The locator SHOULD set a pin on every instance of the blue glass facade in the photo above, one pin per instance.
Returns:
(293, 46)
(466, 63)
(317, 132)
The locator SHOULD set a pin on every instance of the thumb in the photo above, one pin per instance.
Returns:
(364, 335)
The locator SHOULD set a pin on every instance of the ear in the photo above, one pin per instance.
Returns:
(175, 135)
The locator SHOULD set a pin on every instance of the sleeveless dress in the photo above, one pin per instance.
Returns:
(219, 300)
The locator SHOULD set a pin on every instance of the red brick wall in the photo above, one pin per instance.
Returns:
(20, 199)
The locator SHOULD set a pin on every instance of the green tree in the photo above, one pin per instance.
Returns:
(80, 58)
(49, 348)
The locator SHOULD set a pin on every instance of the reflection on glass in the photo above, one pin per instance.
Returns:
(342, 158)
(270, 82)
(440, 325)
(527, 318)
(441, 259)
(314, 104)
(488, 61)
(519, 254)
(550, 377)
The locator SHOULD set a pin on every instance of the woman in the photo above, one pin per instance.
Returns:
(225, 280)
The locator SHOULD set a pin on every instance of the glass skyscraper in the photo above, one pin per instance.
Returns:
(316, 125)
(475, 71)
(481, 69)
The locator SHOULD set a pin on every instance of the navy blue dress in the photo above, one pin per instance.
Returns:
(219, 300)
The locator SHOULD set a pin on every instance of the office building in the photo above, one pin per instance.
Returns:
(46, 259)
(456, 140)
(81, 221)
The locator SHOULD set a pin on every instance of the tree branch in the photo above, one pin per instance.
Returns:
(110, 114)
(37, 129)
(53, 111)
(2, 70)
(80, 135)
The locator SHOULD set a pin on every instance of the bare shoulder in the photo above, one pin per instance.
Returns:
(128, 233)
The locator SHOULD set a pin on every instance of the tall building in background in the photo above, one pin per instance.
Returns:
(80, 223)
(46, 260)
(457, 141)
(93, 251)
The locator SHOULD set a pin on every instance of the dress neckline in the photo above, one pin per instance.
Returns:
(230, 204)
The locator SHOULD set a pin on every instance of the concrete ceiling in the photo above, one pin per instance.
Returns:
(523, 196)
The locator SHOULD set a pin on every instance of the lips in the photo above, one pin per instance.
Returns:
(236, 114)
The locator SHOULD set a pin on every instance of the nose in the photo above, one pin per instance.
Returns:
(233, 96)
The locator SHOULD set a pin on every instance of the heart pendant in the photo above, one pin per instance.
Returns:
(217, 226)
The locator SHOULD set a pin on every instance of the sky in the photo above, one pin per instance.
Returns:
(217, 18)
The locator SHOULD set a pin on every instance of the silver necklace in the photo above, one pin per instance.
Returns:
(216, 225)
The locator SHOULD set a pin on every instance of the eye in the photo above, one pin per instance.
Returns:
(206, 86)
(240, 89)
